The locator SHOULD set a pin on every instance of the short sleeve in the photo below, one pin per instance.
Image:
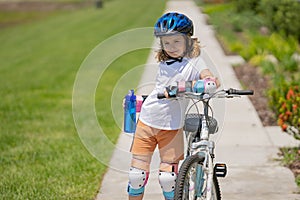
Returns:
(198, 65)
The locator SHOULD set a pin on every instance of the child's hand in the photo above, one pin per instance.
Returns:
(171, 91)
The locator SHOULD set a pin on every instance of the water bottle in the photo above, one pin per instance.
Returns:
(130, 112)
(139, 103)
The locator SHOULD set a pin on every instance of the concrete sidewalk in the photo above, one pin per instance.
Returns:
(248, 148)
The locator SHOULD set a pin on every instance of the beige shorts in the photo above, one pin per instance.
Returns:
(169, 142)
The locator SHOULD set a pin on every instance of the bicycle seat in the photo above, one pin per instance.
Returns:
(193, 122)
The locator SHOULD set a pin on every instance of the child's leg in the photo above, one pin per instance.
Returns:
(171, 152)
(167, 179)
(136, 198)
(138, 176)
(142, 149)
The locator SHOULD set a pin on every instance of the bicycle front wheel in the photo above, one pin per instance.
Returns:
(191, 183)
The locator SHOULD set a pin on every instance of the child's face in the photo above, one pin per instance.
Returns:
(174, 45)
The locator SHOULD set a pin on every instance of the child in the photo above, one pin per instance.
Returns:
(161, 120)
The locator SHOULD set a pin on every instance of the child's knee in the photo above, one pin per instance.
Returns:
(137, 180)
(167, 179)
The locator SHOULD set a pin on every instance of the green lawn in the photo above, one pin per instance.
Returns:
(41, 155)
(48, 1)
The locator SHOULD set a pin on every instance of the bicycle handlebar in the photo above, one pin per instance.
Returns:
(229, 93)
(239, 92)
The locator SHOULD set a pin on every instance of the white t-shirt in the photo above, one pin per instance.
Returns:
(168, 114)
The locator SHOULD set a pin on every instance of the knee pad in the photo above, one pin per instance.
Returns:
(137, 180)
(167, 182)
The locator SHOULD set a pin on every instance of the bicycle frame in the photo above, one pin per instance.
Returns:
(204, 147)
(198, 174)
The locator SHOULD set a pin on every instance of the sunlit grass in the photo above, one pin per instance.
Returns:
(41, 155)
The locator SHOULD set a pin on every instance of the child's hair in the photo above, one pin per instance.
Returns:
(192, 51)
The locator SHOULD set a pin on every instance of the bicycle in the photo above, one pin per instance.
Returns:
(197, 177)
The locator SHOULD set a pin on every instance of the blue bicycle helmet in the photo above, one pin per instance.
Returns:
(173, 22)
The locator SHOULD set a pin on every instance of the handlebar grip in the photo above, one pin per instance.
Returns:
(161, 96)
(240, 92)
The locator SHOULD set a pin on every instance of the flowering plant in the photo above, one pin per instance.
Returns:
(289, 111)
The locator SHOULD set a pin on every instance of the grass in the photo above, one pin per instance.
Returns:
(291, 159)
(34, 10)
(10, 18)
(59, 1)
(41, 155)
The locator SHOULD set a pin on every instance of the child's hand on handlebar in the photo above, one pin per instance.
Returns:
(171, 91)
(207, 85)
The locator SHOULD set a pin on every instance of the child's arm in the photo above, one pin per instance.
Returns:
(206, 73)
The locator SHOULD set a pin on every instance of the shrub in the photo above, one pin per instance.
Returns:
(281, 47)
(236, 46)
(246, 5)
(256, 60)
(282, 16)
(255, 47)
(287, 103)
(275, 57)
(247, 20)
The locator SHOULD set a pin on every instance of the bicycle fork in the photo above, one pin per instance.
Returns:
(205, 172)
(209, 148)
(209, 178)
(200, 176)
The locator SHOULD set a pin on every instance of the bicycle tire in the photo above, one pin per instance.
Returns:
(181, 185)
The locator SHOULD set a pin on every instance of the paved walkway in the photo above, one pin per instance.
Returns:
(249, 149)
